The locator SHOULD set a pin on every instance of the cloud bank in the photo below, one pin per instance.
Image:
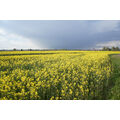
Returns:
(114, 43)
(55, 34)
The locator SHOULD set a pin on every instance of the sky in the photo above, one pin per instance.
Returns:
(59, 34)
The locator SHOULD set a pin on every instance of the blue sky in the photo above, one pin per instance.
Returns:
(59, 34)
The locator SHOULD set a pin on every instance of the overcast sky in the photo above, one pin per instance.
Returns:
(59, 34)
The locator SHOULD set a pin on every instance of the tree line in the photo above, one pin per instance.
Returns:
(103, 49)
(111, 49)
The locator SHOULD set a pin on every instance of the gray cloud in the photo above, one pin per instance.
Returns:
(59, 34)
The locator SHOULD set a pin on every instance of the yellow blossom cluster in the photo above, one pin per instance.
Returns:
(54, 75)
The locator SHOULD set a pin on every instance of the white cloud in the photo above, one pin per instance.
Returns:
(115, 43)
(12, 40)
(2, 32)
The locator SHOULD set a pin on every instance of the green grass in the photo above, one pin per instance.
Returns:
(115, 59)
(114, 85)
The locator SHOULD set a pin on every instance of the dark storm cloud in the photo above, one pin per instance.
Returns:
(64, 34)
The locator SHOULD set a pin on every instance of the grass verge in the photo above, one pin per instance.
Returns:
(114, 84)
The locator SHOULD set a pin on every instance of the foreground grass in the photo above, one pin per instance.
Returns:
(114, 92)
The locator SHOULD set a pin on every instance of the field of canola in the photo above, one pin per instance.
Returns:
(54, 75)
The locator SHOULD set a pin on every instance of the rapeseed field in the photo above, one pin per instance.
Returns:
(54, 75)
